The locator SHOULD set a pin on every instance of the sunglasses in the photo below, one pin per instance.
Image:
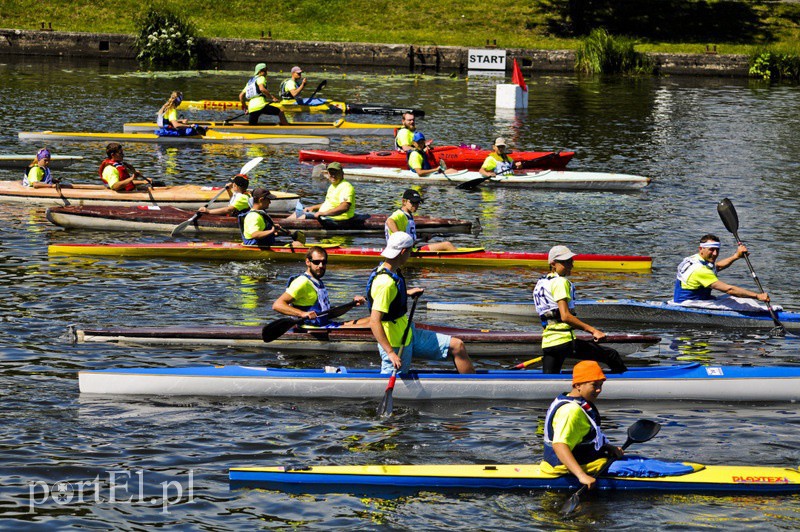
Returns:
(317, 262)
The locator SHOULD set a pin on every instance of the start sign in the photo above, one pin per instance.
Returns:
(486, 60)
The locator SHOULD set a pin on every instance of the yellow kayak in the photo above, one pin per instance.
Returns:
(211, 137)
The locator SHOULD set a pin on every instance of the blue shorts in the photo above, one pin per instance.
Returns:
(424, 344)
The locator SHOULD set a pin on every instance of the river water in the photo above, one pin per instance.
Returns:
(141, 463)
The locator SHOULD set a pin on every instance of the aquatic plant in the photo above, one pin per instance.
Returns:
(606, 54)
(775, 66)
(166, 39)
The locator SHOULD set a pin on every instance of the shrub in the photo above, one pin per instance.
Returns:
(165, 39)
(774, 66)
(603, 53)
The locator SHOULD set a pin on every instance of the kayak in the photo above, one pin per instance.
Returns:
(484, 342)
(339, 127)
(458, 157)
(57, 162)
(164, 219)
(633, 311)
(747, 480)
(534, 179)
(477, 257)
(186, 196)
(690, 382)
(304, 105)
(211, 137)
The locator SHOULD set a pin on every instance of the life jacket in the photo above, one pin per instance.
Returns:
(321, 305)
(268, 241)
(396, 133)
(411, 227)
(252, 90)
(399, 305)
(546, 306)
(122, 170)
(590, 448)
(284, 93)
(685, 269)
(47, 178)
(504, 163)
(426, 163)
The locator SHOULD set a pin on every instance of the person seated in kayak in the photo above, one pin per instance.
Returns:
(498, 162)
(404, 138)
(403, 220)
(387, 296)
(419, 160)
(240, 201)
(573, 438)
(38, 174)
(256, 225)
(292, 87)
(306, 296)
(168, 122)
(340, 199)
(697, 277)
(554, 298)
(256, 93)
(118, 175)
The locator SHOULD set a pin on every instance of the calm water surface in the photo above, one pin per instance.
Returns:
(699, 139)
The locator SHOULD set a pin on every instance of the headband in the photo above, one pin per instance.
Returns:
(710, 244)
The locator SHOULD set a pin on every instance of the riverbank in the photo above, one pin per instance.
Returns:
(410, 57)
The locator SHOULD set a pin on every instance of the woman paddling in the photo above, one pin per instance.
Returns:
(168, 122)
(38, 175)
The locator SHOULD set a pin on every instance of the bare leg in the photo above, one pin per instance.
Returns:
(460, 357)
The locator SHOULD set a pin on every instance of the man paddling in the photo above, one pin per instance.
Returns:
(256, 225)
(697, 277)
(292, 87)
(306, 296)
(419, 160)
(387, 295)
(340, 199)
(554, 297)
(256, 93)
(573, 440)
(404, 139)
(498, 162)
(403, 220)
(117, 174)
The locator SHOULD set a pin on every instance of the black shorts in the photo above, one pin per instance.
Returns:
(266, 110)
(582, 350)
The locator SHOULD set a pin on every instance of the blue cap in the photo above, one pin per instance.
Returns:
(418, 137)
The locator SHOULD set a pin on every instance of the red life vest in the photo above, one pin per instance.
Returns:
(121, 169)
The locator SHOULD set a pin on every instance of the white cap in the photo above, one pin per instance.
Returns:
(398, 241)
(500, 141)
(559, 253)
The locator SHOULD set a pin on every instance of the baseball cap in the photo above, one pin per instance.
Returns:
(335, 166)
(241, 180)
(297, 70)
(261, 192)
(559, 253)
(412, 195)
(259, 68)
(418, 137)
(500, 141)
(396, 243)
(587, 371)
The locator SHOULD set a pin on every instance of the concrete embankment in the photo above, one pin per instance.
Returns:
(396, 56)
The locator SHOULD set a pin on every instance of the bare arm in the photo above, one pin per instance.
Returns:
(724, 263)
(339, 209)
(392, 225)
(380, 336)
(739, 292)
(564, 453)
(284, 305)
(570, 319)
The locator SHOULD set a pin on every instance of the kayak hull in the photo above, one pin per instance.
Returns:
(164, 219)
(533, 179)
(466, 257)
(57, 162)
(344, 479)
(183, 196)
(633, 311)
(338, 128)
(212, 137)
(690, 382)
(458, 157)
(305, 105)
(482, 343)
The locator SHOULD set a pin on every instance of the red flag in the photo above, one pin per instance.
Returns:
(517, 78)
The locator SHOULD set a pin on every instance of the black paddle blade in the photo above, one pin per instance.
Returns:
(727, 212)
(572, 502)
(472, 183)
(278, 328)
(643, 430)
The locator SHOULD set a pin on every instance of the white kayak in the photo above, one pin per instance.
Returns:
(211, 137)
(57, 162)
(536, 179)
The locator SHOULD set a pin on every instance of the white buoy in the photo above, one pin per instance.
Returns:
(511, 96)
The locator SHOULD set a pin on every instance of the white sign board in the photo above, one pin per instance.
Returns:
(486, 60)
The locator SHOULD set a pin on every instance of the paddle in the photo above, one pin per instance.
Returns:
(472, 183)
(727, 212)
(246, 168)
(385, 408)
(524, 365)
(640, 432)
(321, 86)
(279, 327)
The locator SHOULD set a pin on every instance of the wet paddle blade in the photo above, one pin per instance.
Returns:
(572, 502)
(183, 225)
(385, 408)
(727, 212)
(472, 183)
(278, 328)
(252, 163)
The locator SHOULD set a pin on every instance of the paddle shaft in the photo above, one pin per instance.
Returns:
(319, 88)
(477, 181)
(277, 328)
(385, 408)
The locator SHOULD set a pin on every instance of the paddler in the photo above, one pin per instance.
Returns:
(697, 276)
(403, 220)
(118, 175)
(306, 296)
(404, 139)
(256, 225)
(38, 174)
(498, 162)
(240, 201)
(387, 295)
(419, 160)
(573, 439)
(256, 93)
(554, 297)
(292, 87)
(340, 199)
(168, 122)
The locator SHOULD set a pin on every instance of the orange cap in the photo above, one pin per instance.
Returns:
(587, 371)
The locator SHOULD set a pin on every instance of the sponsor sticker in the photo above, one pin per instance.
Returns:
(714, 371)
(759, 480)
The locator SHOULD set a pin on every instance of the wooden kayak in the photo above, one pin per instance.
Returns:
(185, 196)
(688, 382)
(458, 157)
(164, 219)
(484, 342)
(632, 311)
(304, 105)
(337, 128)
(211, 137)
(470, 257)
(533, 179)
(57, 162)
(392, 478)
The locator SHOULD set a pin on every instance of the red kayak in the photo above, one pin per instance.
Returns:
(458, 157)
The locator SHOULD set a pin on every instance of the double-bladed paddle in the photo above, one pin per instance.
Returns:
(385, 408)
(526, 364)
(275, 329)
(321, 86)
(252, 163)
(727, 212)
(640, 432)
(472, 183)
